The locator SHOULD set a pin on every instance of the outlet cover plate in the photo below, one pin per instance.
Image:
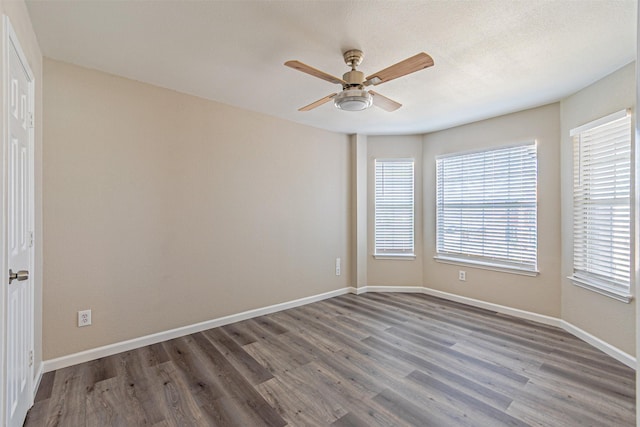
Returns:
(84, 318)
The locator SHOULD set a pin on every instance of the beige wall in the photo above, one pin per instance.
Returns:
(21, 23)
(540, 294)
(162, 209)
(394, 272)
(606, 318)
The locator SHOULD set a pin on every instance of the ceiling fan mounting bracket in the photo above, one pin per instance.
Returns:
(353, 58)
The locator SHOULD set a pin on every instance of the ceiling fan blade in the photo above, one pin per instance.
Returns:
(318, 103)
(314, 72)
(402, 68)
(384, 102)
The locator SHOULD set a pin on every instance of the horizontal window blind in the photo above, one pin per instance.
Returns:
(394, 207)
(486, 207)
(602, 204)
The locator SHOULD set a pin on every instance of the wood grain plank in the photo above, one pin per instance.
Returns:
(39, 414)
(238, 357)
(237, 386)
(46, 387)
(411, 413)
(67, 402)
(138, 389)
(322, 398)
(477, 409)
(179, 406)
(154, 354)
(286, 400)
(109, 405)
(350, 420)
(239, 334)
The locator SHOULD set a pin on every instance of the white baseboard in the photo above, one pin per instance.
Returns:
(601, 345)
(405, 289)
(108, 350)
(119, 347)
(515, 312)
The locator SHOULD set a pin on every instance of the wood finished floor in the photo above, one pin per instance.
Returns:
(368, 360)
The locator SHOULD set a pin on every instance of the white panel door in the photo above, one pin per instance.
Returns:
(19, 318)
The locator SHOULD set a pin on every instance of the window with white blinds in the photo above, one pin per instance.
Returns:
(486, 208)
(602, 205)
(394, 207)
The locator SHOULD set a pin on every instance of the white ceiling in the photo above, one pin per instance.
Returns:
(491, 56)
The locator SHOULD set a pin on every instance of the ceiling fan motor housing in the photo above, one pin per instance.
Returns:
(353, 78)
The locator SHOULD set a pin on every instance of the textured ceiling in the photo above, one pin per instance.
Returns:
(491, 56)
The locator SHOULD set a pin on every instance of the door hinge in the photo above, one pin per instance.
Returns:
(31, 239)
(31, 358)
(31, 121)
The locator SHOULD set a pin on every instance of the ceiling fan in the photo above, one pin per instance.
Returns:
(354, 96)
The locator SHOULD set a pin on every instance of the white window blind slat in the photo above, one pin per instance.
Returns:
(602, 204)
(394, 207)
(486, 207)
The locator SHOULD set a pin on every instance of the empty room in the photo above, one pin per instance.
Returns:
(319, 213)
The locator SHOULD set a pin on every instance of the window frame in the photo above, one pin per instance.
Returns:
(387, 253)
(488, 262)
(591, 280)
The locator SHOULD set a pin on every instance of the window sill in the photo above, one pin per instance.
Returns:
(396, 257)
(484, 265)
(601, 289)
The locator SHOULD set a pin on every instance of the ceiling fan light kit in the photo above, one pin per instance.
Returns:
(353, 100)
(354, 96)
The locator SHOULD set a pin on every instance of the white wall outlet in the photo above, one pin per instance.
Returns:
(462, 275)
(338, 270)
(84, 318)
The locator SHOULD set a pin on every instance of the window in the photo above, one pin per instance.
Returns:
(486, 208)
(602, 205)
(394, 207)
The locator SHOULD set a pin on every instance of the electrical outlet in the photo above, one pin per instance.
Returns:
(462, 275)
(84, 318)
(338, 272)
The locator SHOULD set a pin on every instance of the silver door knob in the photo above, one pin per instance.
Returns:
(19, 276)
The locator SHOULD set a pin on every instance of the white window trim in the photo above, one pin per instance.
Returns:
(601, 289)
(591, 283)
(599, 122)
(401, 257)
(488, 263)
(485, 265)
(405, 256)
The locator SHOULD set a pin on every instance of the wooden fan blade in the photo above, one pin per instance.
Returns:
(402, 68)
(384, 102)
(314, 72)
(318, 103)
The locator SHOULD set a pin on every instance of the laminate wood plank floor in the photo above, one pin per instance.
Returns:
(367, 360)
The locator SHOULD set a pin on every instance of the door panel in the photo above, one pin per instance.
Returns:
(20, 292)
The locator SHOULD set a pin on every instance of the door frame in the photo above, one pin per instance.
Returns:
(9, 37)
